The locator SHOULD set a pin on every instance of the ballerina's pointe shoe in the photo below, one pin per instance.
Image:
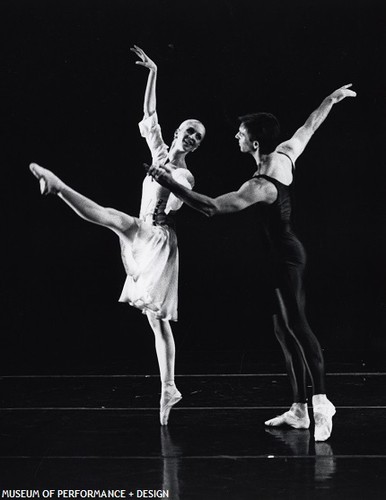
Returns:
(168, 400)
(291, 419)
(323, 414)
(43, 175)
(43, 185)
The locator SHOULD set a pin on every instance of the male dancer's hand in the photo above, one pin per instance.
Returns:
(343, 92)
(162, 174)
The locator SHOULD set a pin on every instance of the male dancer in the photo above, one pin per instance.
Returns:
(257, 135)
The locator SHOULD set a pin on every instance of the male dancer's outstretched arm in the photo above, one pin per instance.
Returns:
(295, 146)
(255, 190)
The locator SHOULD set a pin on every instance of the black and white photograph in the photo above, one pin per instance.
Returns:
(193, 292)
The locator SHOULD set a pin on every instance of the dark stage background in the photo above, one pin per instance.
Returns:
(71, 99)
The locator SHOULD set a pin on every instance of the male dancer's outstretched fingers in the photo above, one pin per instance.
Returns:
(343, 92)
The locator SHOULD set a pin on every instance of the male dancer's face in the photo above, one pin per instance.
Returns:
(245, 143)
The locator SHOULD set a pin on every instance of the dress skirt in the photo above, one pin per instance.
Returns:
(151, 264)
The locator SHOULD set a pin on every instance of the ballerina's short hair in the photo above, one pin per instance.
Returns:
(195, 122)
(264, 128)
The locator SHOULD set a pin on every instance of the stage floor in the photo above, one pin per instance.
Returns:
(101, 432)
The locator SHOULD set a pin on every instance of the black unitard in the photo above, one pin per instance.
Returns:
(301, 348)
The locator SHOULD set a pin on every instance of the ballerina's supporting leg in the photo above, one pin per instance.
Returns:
(165, 349)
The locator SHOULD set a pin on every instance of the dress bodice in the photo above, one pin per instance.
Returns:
(158, 202)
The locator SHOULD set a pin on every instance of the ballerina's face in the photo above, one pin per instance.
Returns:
(189, 135)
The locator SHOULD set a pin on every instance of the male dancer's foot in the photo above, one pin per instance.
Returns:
(169, 397)
(48, 181)
(324, 410)
(296, 417)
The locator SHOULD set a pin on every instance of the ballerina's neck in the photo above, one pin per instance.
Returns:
(177, 161)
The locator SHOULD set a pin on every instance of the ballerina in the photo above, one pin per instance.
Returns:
(148, 243)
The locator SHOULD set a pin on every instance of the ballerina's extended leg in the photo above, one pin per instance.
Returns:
(124, 225)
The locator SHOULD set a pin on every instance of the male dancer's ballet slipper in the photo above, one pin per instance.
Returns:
(323, 414)
(168, 400)
(291, 419)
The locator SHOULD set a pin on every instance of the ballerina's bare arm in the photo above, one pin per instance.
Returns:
(150, 101)
(295, 146)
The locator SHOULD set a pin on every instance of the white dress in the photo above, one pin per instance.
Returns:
(151, 259)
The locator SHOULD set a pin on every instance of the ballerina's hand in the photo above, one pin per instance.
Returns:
(343, 92)
(145, 60)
